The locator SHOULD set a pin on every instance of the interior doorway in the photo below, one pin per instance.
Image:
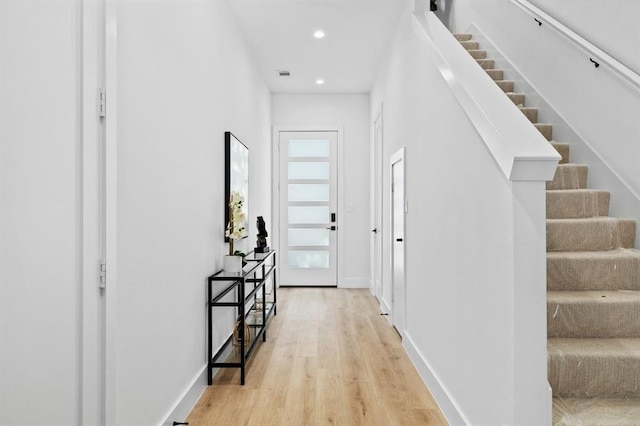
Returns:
(376, 224)
(308, 208)
(398, 211)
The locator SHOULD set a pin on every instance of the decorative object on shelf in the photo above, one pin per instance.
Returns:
(236, 333)
(235, 229)
(258, 305)
(242, 255)
(261, 243)
(232, 264)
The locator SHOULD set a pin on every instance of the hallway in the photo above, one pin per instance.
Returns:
(330, 358)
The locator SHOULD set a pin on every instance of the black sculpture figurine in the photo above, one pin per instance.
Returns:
(261, 243)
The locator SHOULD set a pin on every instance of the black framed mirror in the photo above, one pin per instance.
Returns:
(236, 177)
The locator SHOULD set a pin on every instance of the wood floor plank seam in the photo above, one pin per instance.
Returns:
(329, 359)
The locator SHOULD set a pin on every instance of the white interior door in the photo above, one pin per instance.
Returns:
(398, 210)
(50, 213)
(376, 226)
(308, 208)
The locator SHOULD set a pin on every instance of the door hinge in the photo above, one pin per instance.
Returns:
(102, 102)
(103, 274)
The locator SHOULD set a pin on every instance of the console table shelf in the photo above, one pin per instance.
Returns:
(248, 285)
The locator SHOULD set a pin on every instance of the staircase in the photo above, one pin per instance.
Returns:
(593, 289)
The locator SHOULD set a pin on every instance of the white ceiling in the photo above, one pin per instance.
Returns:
(280, 36)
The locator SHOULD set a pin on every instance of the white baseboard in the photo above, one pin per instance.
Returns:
(188, 399)
(354, 283)
(439, 392)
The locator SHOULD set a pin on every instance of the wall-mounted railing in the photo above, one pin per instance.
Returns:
(597, 57)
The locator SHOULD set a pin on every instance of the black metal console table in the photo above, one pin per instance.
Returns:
(248, 285)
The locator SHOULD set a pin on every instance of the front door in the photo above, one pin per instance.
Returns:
(308, 208)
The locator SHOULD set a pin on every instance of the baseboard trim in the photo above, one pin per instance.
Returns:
(446, 404)
(188, 399)
(354, 283)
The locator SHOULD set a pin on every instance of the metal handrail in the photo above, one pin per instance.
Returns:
(596, 55)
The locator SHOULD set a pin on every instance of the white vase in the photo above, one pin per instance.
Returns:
(232, 264)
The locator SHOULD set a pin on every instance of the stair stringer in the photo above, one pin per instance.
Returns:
(624, 201)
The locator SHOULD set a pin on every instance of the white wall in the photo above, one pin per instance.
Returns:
(595, 111)
(350, 113)
(464, 248)
(611, 25)
(40, 213)
(185, 77)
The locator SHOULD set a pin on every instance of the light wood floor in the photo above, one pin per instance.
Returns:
(330, 358)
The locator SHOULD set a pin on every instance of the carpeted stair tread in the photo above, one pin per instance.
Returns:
(486, 64)
(577, 203)
(569, 176)
(470, 45)
(496, 75)
(594, 367)
(590, 234)
(594, 270)
(546, 130)
(516, 98)
(478, 54)
(563, 150)
(530, 113)
(463, 36)
(596, 411)
(593, 313)
(505, 85)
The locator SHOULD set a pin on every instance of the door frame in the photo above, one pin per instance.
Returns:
(275, 180)
(398, 156)
(111, 206)
(92, 45)
(377, 194)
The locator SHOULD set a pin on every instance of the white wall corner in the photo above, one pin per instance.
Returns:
(419, 6)
(439, 392)
(531, 388)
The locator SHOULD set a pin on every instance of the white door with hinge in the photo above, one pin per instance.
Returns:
(398, 210)
(51, 213)
(376, 225)
(308, 208)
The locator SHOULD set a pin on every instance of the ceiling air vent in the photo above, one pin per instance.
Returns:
(284, 73)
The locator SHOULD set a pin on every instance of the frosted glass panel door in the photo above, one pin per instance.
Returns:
(308, 208)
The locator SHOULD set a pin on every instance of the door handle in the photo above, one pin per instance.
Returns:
(374, 230)
(332, 228)
(399, 240)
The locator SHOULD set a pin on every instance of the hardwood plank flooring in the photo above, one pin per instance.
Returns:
(330, 359)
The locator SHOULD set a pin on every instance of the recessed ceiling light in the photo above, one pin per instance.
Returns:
(319, 82)
(319, 34)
